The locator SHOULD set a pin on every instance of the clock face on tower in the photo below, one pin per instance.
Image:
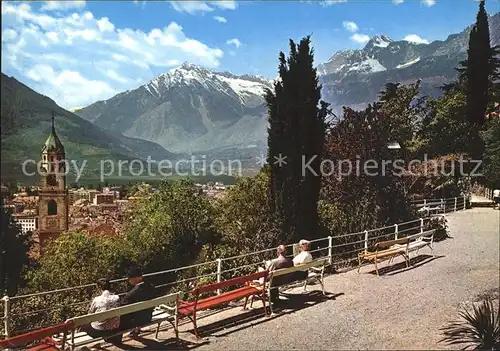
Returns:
(52, 223)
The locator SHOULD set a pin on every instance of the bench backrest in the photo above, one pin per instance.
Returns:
(120, 311)
(19, 341)
(302, 267)
(428, 233)
(381, 245)
(230, 282)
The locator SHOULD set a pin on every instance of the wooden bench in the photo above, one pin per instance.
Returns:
(399, 247)
(384, 250)
(428, 208)
(315, 272)
(190, 308)
(167, 313)
(45, 335)
(418, 241)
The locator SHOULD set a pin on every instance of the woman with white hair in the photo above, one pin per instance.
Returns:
(304, 256)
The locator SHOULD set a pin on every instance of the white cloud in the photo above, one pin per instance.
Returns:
(360, 38)
(429, 3)
(193, 7)
(331, 2)
(220, 19)
(397, 2)
(90, 58)
(62, 5)
(9, 34)
(105, 25)
(234, 42)
(67, 85)
(350, 26)
(414, 38)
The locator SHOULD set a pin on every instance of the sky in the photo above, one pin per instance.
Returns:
(80, 52)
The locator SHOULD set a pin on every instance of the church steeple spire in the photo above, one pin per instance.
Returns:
(53, 143)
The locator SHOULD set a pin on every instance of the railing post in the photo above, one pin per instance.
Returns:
(6, 313)
(219, 270)
(421, 225)
(455, 208)
(425, 202)
(395, 232)
(465, 203)
(366, 240)
(330, 250)
(443, 206)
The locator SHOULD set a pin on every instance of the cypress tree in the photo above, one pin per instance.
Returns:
(296, 135)
(479, 56)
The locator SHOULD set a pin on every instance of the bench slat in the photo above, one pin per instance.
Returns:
(302, 267)
(120, 311)
(187, 308)
(227, 283)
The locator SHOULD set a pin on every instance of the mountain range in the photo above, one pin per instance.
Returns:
(191, 109)
(355, 77)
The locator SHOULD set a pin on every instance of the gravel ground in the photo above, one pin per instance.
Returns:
(401, 309)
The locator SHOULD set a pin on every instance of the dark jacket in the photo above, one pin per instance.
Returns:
(279, 263)
(141, 292)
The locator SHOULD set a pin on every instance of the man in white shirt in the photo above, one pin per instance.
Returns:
(496, 197)
(304, 256)
(105, 301)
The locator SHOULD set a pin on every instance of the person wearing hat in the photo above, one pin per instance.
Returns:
(141, 291)
(305, 255)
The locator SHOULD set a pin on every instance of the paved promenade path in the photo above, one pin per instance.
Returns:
(401, 309)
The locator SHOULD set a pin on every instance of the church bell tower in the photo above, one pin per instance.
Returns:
(53, 200)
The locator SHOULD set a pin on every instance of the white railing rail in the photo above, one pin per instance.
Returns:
(324, 247)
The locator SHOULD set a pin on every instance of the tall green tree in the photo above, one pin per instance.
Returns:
(14, 247)
(479, 68)
(296, 137)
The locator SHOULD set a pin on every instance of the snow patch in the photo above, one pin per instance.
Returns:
(407, 64)
(369, 65)
(241, 86)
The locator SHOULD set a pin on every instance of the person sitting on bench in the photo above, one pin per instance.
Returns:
(278, 263)
(105, 301)
(141, 291)
(303, 257)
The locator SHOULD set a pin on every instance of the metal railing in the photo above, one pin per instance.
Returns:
(338, 249)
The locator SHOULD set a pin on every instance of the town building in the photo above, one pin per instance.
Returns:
(104, 198)
(28, 221)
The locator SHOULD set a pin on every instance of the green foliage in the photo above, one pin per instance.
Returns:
(86, 257)
(296, 131)
(244, 216)
(14, 259)
(446, 130)
(479, 329)
(491, 156)
(168, 228)
(371, 200)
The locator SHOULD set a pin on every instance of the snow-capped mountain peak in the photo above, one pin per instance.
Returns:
(246, 88)
(380, 41)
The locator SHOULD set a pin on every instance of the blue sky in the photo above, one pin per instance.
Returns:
(79, 52)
